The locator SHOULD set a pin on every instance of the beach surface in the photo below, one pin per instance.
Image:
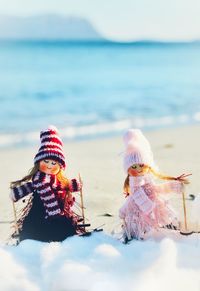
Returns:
(99, 161)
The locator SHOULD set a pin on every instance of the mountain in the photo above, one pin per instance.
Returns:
(47, 27)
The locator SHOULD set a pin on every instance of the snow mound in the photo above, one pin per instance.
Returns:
(101, 262)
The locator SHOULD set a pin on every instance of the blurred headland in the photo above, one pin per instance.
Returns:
(47, 27)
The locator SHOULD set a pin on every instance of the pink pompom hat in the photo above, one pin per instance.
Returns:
(137, 149)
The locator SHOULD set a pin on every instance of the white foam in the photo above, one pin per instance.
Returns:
(103, 128)
(196, 116)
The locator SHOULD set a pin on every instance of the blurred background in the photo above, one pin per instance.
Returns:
(95, 68)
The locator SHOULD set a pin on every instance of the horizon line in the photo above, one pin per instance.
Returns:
(100, 41)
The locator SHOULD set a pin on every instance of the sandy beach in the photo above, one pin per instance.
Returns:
(176, 151)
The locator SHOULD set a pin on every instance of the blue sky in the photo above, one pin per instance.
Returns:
(122, 19)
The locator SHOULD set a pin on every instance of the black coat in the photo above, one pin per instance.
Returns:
(36, 226)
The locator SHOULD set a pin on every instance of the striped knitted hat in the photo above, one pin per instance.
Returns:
(51, 147)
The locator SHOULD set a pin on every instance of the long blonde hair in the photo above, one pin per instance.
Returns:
(180, 178)
(60, 176)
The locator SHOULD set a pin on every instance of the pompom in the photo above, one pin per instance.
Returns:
(52, 127)
(132, 135)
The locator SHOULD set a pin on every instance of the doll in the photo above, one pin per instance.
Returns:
(48, 215)
(146, 207)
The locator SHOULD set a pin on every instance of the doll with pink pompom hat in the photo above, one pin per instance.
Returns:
(146, 208)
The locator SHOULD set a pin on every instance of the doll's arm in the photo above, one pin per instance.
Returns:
(169, 187)
(21, 191)
(74, 185)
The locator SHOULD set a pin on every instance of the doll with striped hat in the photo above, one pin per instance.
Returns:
(48, 215)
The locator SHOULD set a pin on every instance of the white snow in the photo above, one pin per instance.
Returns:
(100, 262)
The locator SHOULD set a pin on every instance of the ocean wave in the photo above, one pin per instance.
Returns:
(100, 129)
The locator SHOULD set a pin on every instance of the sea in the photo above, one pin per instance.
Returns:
(94, 89)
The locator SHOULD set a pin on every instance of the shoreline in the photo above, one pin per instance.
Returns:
(103, 130)
(176, 151)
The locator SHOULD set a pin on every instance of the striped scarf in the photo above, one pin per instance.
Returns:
(47, 187)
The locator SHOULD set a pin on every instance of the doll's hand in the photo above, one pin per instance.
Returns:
(12, 196)
(75, 185)
(182, 178)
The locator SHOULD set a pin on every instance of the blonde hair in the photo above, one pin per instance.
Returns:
(60, 176)
(157, 175)
(27, 178)
(63, 179)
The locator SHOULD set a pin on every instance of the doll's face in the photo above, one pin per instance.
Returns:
(50, 167)
(138, 170)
